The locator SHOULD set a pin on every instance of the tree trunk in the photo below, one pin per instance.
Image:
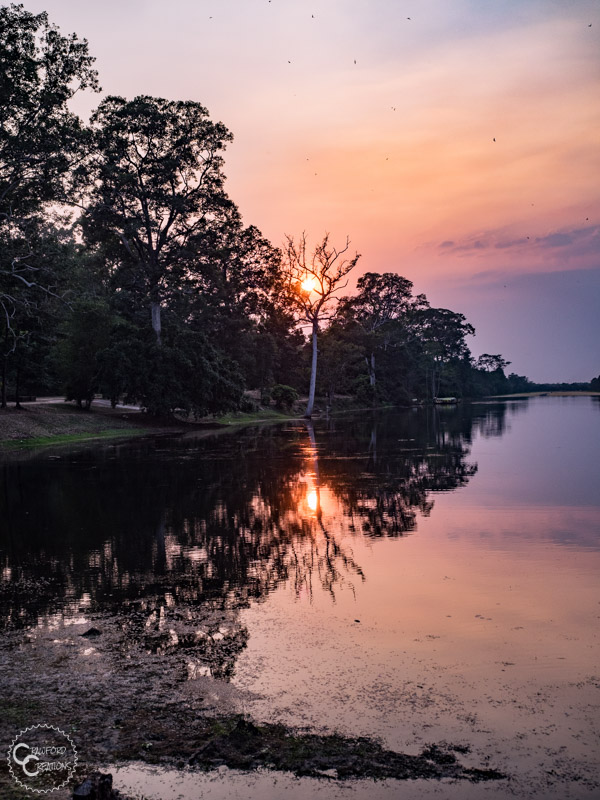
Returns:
(313, 371)
(372, 370)
(373, 444)
(3, 404)
(18, 389)
(330, 396)
(155, 312)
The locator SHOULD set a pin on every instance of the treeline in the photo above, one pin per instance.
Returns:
(126, 268)
(579, 386)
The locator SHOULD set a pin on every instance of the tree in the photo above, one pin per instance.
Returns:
(340, 358)
(155, 187)
(40, 142)
(79, 354)
(233, 294)
(310, 284)
(382, 309)
(487, 375)
(519, 383)
(442, 333)
(34, 259)
(489, 363)
(40, 70)
(284, 396)
(277, 350)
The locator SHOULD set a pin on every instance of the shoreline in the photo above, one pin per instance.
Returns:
(52, 422)
(153, 715)
(585, 393)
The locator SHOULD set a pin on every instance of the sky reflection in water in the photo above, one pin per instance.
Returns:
(420, 575)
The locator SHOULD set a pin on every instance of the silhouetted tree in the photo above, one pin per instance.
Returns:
(490, 363)
(155, 186)
(40, 142)
(442, 333)
(311, 282)
(383, 309)
(40, 71)
(36, 259)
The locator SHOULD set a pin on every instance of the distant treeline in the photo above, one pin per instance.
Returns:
(513, 384)
(126, 269)
(592, 386)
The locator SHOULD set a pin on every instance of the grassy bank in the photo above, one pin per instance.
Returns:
(264, 415)
(40, 424)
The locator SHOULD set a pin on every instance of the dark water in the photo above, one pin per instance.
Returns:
(225, 514)
(415, 575)
(231, 514)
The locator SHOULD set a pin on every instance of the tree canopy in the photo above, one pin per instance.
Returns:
(155, 186)
(40, 138)
(127, 270)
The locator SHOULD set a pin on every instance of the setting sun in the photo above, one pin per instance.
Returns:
(308, 284)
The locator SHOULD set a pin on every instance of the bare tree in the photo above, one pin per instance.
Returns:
(310, 285)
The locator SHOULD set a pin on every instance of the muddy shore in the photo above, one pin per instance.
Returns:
(149, 683)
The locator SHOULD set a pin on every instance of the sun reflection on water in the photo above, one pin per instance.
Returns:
(312, 500)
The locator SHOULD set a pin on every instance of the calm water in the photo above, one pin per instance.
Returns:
(420, 576)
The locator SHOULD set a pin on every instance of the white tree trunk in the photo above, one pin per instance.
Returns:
(372, 370)
(313, 372)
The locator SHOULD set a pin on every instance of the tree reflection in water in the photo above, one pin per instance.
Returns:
(328, 557)
(175, 524)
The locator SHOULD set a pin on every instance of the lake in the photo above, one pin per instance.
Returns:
(421, 576)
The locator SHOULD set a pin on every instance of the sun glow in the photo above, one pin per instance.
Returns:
(308, 284)
(312, 500)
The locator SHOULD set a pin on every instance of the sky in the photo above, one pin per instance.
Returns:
(456, 142)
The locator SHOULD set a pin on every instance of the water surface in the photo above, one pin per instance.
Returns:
(419, 576)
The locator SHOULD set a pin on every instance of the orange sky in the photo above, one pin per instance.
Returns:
(377, 119)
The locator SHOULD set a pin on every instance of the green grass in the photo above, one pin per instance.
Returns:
(68, 438)
(265, 415)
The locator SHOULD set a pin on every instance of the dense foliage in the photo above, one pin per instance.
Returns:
(126, 269)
